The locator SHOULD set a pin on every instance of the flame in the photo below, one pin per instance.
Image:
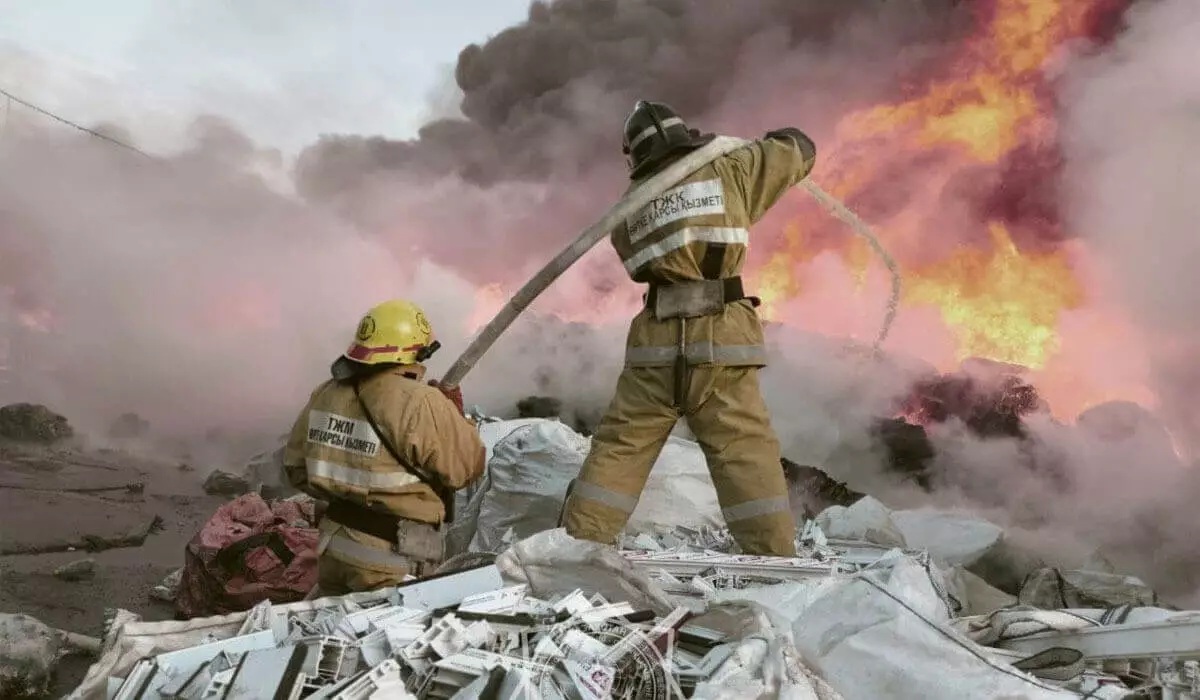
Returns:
(988, 107)
(1003, 305)
(775, 281)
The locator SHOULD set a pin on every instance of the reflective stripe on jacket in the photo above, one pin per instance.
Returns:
(704, 223)
(333, 452)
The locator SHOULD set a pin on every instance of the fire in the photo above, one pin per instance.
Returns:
(1003, 305)
(989, 107)
(774, 280)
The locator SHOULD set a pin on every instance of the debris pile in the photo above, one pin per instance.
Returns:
(457, 636)
(926, 603)
(26, 422)
(669, 617)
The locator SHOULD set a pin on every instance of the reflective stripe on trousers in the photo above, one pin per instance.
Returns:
(627, 504)
(334, 542)
(756, 508)
(358, 479)
(700, 352)
(599, 494)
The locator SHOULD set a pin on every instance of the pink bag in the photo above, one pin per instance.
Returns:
(249, 551)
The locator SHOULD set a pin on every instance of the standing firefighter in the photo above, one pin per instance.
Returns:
(695, 349)
(386, 451)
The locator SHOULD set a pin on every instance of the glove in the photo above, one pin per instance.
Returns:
(790, 133)
(451, 392)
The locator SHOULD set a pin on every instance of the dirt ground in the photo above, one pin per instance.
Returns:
(54, 507)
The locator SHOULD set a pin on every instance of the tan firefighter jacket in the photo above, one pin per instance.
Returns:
(708, 214)
(333, 452)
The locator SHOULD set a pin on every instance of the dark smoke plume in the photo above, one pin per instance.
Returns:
(543, 103)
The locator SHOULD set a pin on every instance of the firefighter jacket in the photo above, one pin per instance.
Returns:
(700, 230)
(334, 453)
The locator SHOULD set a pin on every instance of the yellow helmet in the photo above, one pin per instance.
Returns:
(395, 331)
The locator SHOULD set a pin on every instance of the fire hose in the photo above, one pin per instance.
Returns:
(628, 206)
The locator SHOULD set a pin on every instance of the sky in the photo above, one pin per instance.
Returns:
(284, 71)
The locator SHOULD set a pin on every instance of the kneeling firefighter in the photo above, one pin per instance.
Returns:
(694, 351)
(386, 451)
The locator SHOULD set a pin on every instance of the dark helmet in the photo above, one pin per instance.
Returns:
(653, 134)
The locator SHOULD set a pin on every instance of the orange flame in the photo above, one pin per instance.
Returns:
(1000, 302)
(1005, 305)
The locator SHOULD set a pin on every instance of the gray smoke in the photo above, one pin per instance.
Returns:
(1133, 171)
(181, 286)
(536, 154)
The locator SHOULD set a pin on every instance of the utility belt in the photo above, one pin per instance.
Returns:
(411, 538)
(695, 299)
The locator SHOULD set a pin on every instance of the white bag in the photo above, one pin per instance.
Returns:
(884, 634)
(528, 474)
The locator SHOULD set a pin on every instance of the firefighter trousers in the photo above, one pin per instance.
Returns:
(725, 409)
(354, 561)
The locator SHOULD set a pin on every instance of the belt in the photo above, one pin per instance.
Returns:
(385, 526)
(733, 292)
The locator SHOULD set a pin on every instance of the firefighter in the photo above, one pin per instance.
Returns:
(694, 351)
(386, 451)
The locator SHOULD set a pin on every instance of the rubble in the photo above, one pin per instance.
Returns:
(1052, 589)
(440, 637)
(222, 483)
(812, 490)
(669, 618)
(24, 422)
(29, 652)
(78, 570)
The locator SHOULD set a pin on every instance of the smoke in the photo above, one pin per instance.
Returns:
(536, 157)
(181, 287)
(190, 288)
(1133, 140)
